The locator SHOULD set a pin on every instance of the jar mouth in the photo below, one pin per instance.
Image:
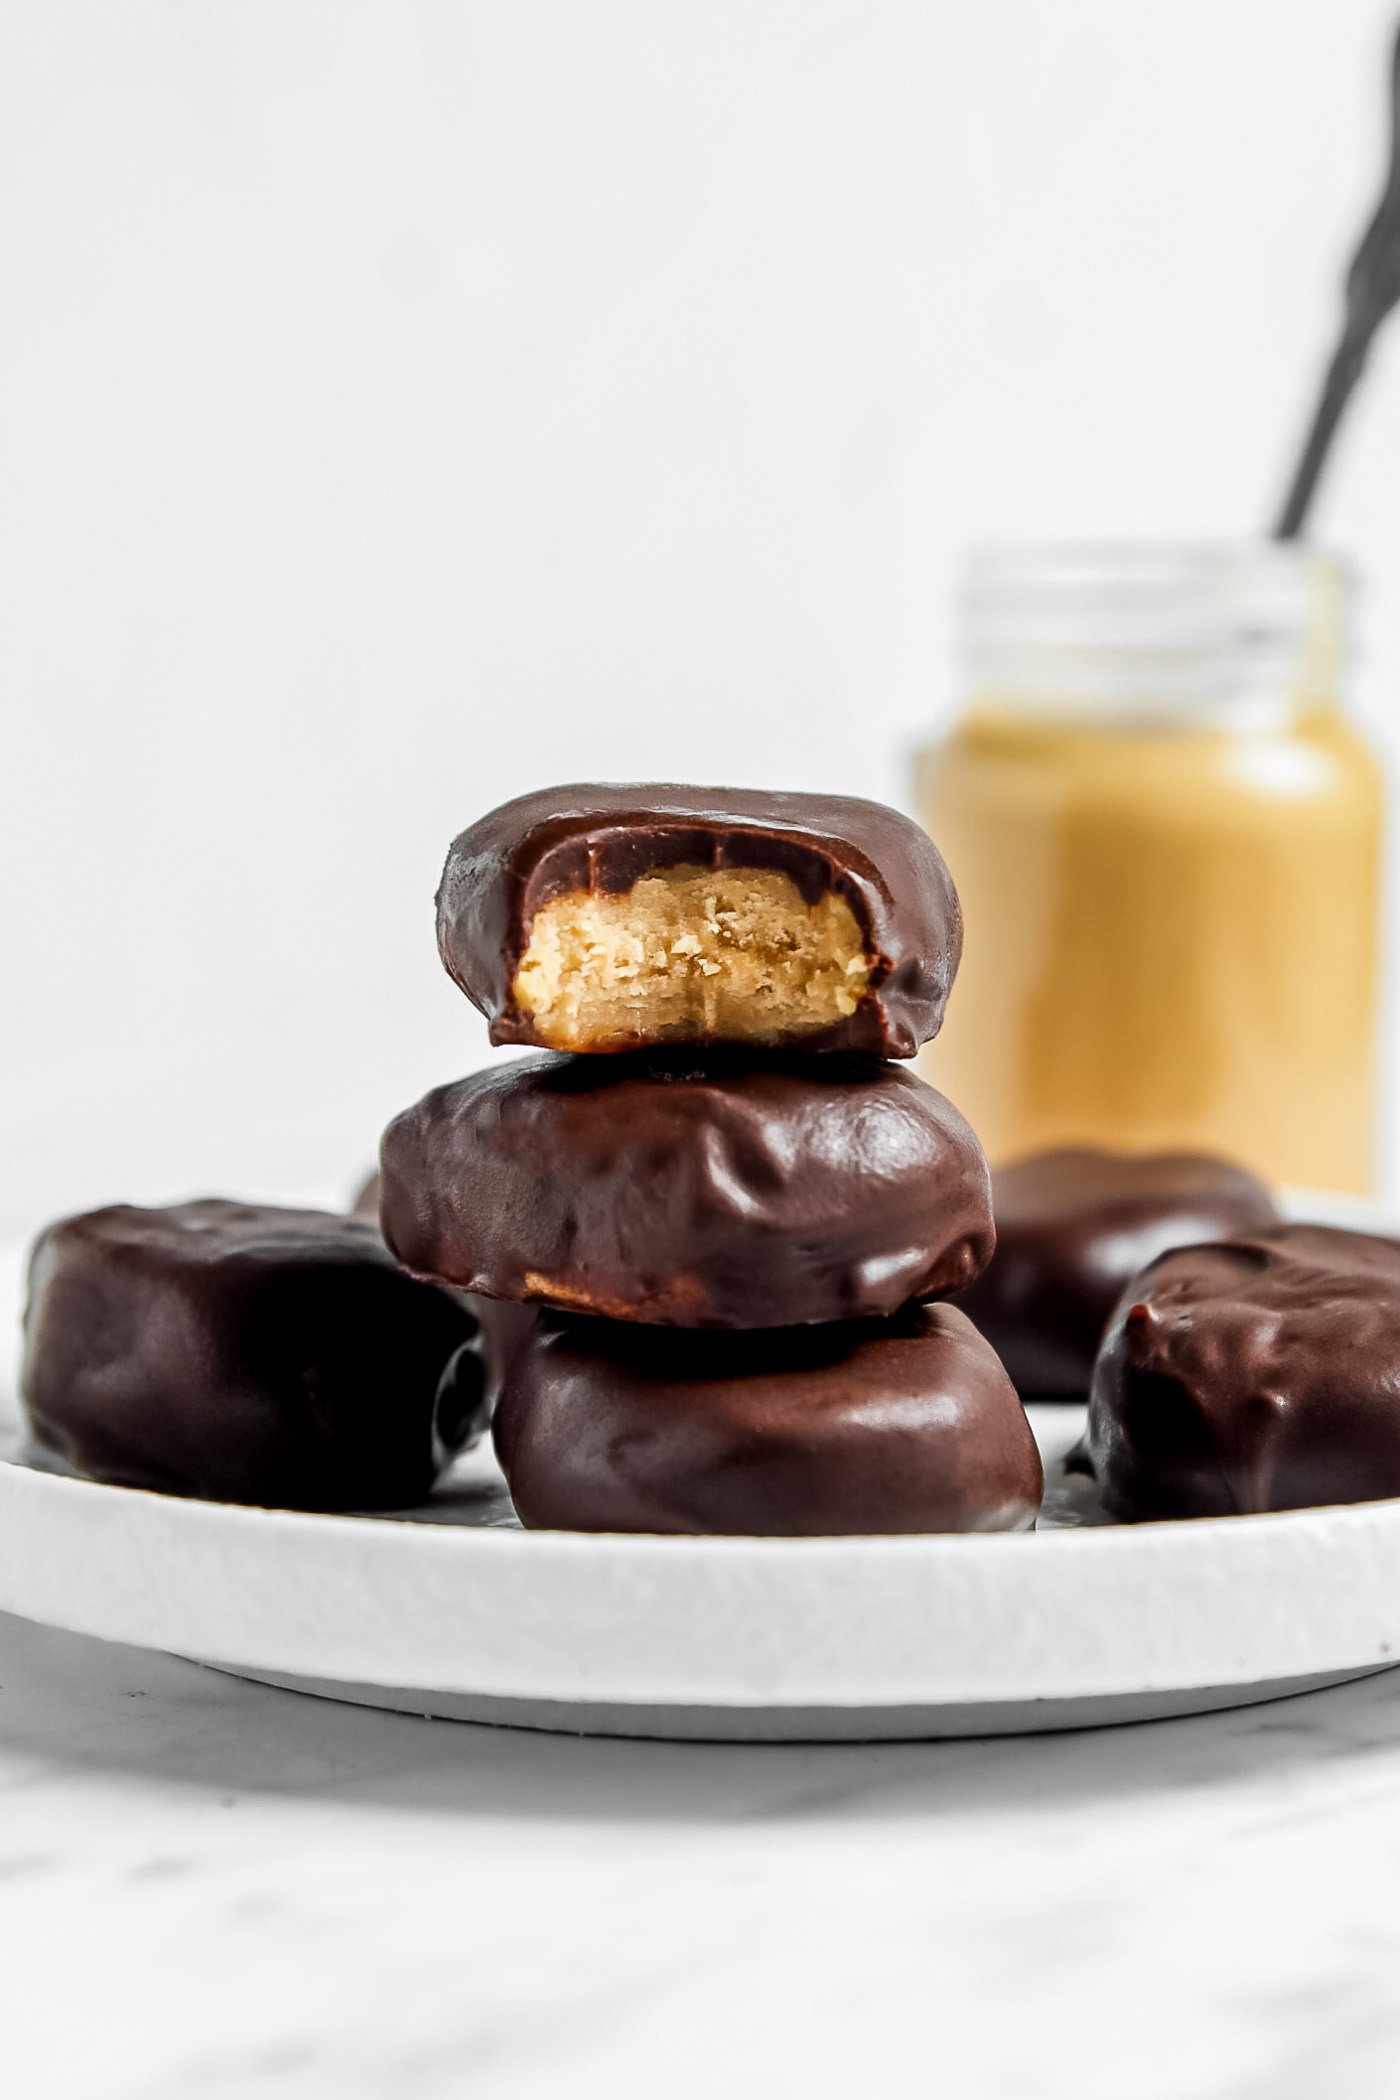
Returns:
(1169, 628)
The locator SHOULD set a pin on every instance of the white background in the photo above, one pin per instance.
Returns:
(402, 404)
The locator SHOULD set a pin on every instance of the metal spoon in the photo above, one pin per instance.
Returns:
(1372, 288)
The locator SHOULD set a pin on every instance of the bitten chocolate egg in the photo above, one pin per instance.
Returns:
(725, 1191)
(601, 918)
(1072, 1228)
(245, 1354)
(901, 1425)
(1259, 1373)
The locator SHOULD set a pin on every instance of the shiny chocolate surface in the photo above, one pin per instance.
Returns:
(245, 1354)
(1072, 1227)
(734, 1190)
(1260, 1373)
(902, 1425)
(500, 1321)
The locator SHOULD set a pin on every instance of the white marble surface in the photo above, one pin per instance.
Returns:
(207, 1887)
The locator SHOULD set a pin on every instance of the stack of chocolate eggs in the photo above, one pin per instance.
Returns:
(718, 1214)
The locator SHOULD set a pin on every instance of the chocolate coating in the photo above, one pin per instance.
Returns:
(740, 1191)
(500, 1321)
(1072, 1228)
(503, 868)
(245, 1354)
(902, 1425)
(1260, 1373)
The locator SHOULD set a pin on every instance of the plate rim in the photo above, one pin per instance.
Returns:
(769, 1622)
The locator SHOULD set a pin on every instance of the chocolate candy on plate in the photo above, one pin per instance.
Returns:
(1072, 1228)
(1259, 1373)
(901, 1425)
(245, 1354)
(726, 1191)
(599, 918)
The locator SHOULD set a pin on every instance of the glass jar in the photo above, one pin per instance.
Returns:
(1166, 836)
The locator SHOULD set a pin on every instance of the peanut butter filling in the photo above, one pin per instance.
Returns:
(688, 953)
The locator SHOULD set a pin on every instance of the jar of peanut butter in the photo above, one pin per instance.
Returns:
(1166, 835)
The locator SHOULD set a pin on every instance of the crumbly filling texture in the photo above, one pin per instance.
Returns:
(687, 953)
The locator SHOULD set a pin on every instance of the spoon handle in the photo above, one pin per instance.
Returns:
(1372, 289)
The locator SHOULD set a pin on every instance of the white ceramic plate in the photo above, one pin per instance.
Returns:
(453, 1610)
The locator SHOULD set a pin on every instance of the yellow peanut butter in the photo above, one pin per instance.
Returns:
(1171, 936)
